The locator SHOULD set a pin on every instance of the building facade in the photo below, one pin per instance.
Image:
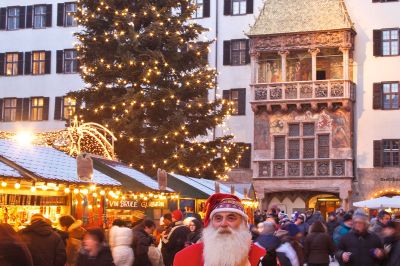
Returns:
(314, 86)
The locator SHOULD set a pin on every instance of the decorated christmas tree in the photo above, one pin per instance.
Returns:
(148, 79)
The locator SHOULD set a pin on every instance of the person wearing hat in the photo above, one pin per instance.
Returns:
(360, 247)
(343, 228)
(226, 238)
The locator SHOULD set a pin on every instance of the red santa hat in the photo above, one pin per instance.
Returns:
(223, 203)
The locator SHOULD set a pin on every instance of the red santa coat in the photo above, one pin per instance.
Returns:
(193, 255)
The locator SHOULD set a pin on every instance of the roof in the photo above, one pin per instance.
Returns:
(240, 187)
(206, 186)
(48, 163)
(292, 16)
(7, 171)
(131, 178)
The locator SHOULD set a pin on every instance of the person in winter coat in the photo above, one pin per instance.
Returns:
(360, 247)
(45, 245)
(391, 235)
(13, 252)
(332, 224)
(290, 258)
(95, 251)
(318, 246)
(142, 240)
(176, 239)
(270, 243)
(120, 240)
(343, 228)
(381, 222)
(195, 228)
(75, 233)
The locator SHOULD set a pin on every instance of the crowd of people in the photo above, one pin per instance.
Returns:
(223, 238)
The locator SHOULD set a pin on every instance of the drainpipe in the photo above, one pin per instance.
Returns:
(216, 57)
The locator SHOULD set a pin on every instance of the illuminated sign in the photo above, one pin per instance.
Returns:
(134, 204)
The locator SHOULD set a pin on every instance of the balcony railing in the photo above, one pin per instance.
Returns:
(304, 168)
(303, 91)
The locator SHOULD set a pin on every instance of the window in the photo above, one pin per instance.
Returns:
(386, 96)
(69, 105)
(38, 63)
(37, 109)
(199, 11)
(390, 152)
(384, 1)
(279, 149)
(294, 149)
(39, 17)
(12, 60)
(70, 61)
(236, 52)
(323, 146)
(13, 18)
(238, 7)
(245, 161)
(70, 10)
(10, 109)
(390, 96)
(237, 99)
(390, 42)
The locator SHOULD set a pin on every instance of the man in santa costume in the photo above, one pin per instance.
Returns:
(226, 238)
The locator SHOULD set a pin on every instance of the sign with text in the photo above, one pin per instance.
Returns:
(134, 204)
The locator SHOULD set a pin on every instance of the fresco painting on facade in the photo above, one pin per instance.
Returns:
(341, 129)
(261, 131)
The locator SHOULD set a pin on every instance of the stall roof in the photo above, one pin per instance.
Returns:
(48, 163)
(240, 187)
(129, 177)
(205, 186)
(7, 171)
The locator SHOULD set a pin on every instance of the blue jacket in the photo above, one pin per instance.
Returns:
(339, 232)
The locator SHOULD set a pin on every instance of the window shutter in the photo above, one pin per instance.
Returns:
(18, 112)
(206, 9)
(20, 63)
(28, 63)
(25, 108)
(376, 1)
(377, 153)
(249, 6)
(46, 102)
(47, 67)
(2, 63)
(60, 14)
(242, 102)
(377, 38)
(58, 108)
(245, 161)
(247, 59)
(49, 12)
(59, 65)
(226, 95)
(227, 53)
(377, 96)
(227, 7)
(22, 17)
(1, 109)
(3, 17)
(29, 20)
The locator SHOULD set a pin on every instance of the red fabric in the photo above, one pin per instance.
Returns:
(193, 255)
(213, 201)
(177, 215)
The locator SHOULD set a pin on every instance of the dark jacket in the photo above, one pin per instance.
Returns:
(45, 245)
(331, 225)
(140, 245)
(377, 229)
(103, 258)
(318, 247)
(14, 254)
(269, 242)
(194, 237)
(394, 255)
(361, 247)
(174, 243)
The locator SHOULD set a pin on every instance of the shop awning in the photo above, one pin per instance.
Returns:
(246, 189)
(199, 188)
(130, 178)
(47, 163)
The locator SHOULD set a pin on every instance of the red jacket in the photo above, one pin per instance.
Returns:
(193, 255)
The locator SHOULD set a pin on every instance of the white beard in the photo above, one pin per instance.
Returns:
(226, 249)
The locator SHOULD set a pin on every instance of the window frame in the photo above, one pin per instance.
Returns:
(42, 15)
(70, 108)
(10, 110)
(70, 61)
(198, 13)
(36, 110)
(241, 52)
(391, 153)
(390, 41)
(40, 61)
(240, 6)
(14, 64)
(67, 14)
(16, 17)
(390, 93)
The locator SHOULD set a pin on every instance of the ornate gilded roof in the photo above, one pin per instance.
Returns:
(292, 16)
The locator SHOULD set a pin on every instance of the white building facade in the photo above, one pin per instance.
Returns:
(38, 67)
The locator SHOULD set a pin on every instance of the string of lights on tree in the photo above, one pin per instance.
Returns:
(148, 79)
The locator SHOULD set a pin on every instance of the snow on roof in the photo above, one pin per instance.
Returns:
(206, 185)
(48, 163)
(134, 174)
(7, 171)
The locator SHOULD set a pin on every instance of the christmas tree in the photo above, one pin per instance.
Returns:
(148, 79)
